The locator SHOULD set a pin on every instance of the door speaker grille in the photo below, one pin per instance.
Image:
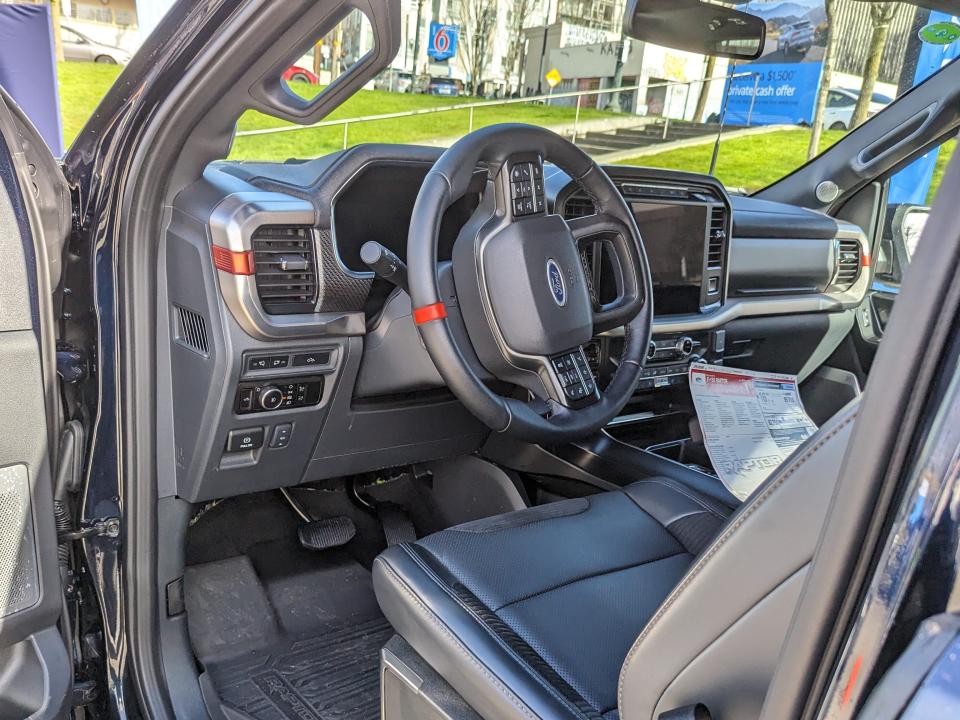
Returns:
(19, 578)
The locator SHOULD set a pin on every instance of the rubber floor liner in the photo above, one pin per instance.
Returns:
(330, 676)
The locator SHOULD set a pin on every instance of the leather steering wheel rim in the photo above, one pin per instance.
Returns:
(446, 182)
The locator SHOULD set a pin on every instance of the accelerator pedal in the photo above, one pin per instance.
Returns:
(327, 533)
(397, 527)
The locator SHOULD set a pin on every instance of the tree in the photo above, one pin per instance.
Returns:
(881, 15)
(708, 70)
(825, 79)
(55, 21)
(518, 15)
(478, 19)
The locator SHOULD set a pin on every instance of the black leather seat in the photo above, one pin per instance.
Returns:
(626, 604)
(549, 598)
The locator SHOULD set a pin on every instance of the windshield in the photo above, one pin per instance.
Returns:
(827, 67)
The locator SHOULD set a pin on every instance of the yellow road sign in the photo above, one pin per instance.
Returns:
(553, 78)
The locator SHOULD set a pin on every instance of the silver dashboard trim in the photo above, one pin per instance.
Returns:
(232, 224)
(736, 309)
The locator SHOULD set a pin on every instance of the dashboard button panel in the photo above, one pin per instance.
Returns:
(278, 394)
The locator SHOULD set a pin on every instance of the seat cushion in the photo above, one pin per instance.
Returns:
(531, 614)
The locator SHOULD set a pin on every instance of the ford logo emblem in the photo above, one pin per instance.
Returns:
(558, 287)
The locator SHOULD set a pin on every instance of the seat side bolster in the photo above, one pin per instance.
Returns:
(465, 652)
(766, 542)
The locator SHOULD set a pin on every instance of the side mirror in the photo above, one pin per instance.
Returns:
(697, 27)
(908, 224)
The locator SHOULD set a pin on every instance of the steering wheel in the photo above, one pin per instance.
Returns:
(518, 308)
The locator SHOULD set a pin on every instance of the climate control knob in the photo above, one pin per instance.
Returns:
(685, 346)
(651, 350)
(271, 397)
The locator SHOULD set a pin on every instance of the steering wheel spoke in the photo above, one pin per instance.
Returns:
(606, 241)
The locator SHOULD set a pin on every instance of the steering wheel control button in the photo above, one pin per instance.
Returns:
(520, 172)
(526, 188)
(242, 440)
(281, 436)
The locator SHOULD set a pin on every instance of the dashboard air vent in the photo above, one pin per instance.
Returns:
(718, 237)
(285, 266)
(191, 330)
(848, 263)
(577, 206)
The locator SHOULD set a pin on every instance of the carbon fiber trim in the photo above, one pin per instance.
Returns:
(340, 291)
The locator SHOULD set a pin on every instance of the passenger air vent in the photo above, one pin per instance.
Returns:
(285, 266)
(191, 330)
(848, 264)
(577, 206)
(718, 237)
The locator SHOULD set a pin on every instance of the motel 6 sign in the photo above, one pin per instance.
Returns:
(443, 41)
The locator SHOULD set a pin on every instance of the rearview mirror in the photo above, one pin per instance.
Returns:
(696, 27)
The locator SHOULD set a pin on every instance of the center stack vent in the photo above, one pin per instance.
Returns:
(285, 268)
(718, 236)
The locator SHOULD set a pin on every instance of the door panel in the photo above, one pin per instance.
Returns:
(35, 672)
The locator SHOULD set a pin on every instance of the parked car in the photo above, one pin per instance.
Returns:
(394, 80)
(442, 86)
(408, 432)
(295, 73)
(77, 46)
(841, 103)
(797, 39)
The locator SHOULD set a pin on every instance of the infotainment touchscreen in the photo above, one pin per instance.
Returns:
(674, 237)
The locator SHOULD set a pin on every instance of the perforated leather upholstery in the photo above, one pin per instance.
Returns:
(624, 604)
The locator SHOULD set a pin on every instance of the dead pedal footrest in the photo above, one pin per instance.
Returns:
(327, 533)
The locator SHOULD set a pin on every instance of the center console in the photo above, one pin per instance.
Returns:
(685, 225)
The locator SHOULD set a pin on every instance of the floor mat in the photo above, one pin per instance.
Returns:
(332, 676)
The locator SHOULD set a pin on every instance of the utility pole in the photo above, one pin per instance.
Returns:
(416, 40)
(543, 47)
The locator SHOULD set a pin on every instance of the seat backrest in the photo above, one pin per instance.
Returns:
(716, 639)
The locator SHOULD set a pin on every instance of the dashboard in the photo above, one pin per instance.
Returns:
(290, 361)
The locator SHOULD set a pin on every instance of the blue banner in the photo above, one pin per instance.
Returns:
(910, 185)
(27, 68)
(443, 41)
(786, 93)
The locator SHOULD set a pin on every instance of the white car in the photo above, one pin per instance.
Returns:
(77, 46)
(841, 103)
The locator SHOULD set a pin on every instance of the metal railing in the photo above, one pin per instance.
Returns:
(547, 99)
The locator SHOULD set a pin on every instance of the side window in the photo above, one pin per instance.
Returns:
(909, 196)
(835, 99)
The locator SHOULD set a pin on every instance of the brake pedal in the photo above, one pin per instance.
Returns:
(327, 533)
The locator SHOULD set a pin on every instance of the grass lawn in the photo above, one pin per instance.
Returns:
(751, 163)
(83, 84)
(748, 163)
